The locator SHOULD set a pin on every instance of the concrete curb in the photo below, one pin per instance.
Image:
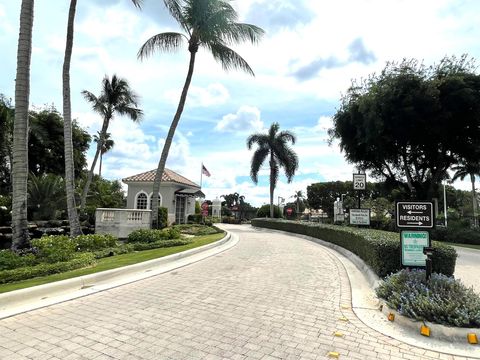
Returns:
(19, 301)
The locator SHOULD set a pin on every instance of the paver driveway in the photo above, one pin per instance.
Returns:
(272, 296)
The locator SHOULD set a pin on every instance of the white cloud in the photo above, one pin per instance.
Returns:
(213, 94)
(246, 119)
(324, 123)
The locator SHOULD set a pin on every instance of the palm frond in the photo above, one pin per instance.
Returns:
(239, 32)
(287, 136)
(228, 58)
(168, 41)
(260, 139)
(274, 171)
(258, 158)
(133, 113)
(138, 3)
(175, 9)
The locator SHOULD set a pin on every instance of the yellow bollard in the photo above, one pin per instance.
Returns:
(333, 354)
(425, 330)
(391, 317)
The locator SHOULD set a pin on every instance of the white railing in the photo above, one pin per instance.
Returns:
(121, 222)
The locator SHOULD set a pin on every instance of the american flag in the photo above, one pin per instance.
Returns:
(205, 171)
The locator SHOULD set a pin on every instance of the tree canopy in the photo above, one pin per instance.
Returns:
(411, 123)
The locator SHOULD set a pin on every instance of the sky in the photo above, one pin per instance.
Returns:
(311, 52)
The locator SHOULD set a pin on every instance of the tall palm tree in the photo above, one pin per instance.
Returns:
(73, 219)
(116, 98)
(471, 168)
(108, 145)
(299, 197)
(273, 145)
(20, 238)
(211, 24)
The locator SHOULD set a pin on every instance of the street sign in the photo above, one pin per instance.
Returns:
(359, 181)
(412, 244)
(289, 211)
(205, 206)
(414, 214)
(205, 212)
(359, 216)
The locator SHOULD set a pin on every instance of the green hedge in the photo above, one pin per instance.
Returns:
(23, 273)
(153, 235)
(379, 249)
(140, 246)
(94, 242)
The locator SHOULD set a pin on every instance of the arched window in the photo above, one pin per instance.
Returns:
(159, 200)
(142, 201)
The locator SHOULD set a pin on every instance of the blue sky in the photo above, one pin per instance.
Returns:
(311, 51)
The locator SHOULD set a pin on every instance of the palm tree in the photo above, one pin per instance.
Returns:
(273, 145)
(73, 219)
(20, 237)
(210, 24)
(116, 98)
(299, 197)
(471, 168)
(108, 145)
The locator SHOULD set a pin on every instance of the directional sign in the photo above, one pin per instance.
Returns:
(412, 244)
(359, 181)
(415, 214)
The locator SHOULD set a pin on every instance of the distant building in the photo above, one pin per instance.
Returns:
(177, 194)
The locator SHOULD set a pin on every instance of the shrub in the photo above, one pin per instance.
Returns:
(23, 273)
(93, 242)
(197, 230)
(264, 211)
(153, 235)
(379, 249)
(140, 246)
(458, 235)
(162, 217)
(196, 218)
(230, 220)
(113, 251)
(442, 300)
(11, 260)
(54, 248)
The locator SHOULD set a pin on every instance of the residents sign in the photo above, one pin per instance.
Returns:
(414, 214)
(359, 216)
(412, 243)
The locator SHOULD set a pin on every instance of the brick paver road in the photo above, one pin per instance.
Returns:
(272, 296)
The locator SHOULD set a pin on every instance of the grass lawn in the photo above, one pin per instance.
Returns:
(113, 263)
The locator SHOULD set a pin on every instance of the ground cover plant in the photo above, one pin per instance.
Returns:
(442, 299)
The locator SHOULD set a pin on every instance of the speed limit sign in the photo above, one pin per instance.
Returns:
(359, 181)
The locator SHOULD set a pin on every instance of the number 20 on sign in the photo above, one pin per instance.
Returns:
(359, 181)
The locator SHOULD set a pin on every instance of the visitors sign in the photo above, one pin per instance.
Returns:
(414, 214)
(412, 244)
(359, 216)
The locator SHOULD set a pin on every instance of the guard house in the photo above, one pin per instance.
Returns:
(177, 194)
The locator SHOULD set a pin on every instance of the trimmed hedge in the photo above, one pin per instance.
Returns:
(140, 246)
(94, 242)
(23, 273)
(379, 249)
(153, 235)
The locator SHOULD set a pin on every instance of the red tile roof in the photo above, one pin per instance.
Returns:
(168, 176)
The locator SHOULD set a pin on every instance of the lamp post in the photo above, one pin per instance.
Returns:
(278, 204)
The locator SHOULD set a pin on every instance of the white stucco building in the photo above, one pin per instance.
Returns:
(177, 194)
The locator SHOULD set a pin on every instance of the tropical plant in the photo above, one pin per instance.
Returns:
(299, 198)
(20, 237)
(46, 196)
(108, 145)
(273, 145)
(211, 24)
(116, 98)
(470, 168)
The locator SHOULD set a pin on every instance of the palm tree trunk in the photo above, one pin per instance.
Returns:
(83, 200)
(100, 165)
(474, 199)
(272, 185)
(73, 219)
(20, 238)
(169, 139)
